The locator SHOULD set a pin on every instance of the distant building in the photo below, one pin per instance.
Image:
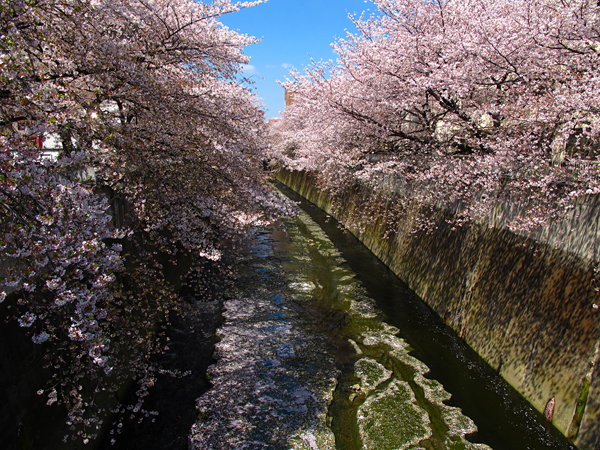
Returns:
(289, 97)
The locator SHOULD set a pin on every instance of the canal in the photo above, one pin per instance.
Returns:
(322, 347)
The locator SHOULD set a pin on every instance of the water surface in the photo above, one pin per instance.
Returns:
(322, 348)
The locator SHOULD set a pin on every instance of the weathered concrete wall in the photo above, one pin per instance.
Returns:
(524, 306)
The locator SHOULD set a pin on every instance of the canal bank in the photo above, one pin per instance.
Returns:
(524, 307)
(322, 337)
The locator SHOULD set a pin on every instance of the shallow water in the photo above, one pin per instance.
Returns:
(274, 378)
(322, 348)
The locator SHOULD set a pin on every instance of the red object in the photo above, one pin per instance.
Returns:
(549, 411)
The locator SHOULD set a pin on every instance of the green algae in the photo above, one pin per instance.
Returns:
(392, 420)
(371, 374)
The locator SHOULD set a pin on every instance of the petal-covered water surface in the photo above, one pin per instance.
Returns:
(299, 317)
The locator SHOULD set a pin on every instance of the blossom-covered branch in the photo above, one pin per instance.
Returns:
(465, 103)
(140, 99)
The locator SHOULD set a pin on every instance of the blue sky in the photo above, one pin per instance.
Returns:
(292, 32)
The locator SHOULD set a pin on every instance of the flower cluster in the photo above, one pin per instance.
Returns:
(460, 104)
(124, 133)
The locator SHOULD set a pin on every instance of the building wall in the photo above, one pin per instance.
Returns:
(289, 98)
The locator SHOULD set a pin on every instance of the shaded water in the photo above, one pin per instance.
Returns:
(323, 338)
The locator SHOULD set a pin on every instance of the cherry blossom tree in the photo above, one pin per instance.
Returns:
(461, 103)
(143, 100)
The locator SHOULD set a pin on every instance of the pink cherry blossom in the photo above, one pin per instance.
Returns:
(462, 105)
(156, 147)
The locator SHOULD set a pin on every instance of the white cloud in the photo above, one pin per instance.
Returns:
(249, 69)
(279, 66)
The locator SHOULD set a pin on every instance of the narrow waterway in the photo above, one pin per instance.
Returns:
(322, 347)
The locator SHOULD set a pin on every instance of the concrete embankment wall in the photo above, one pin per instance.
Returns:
(526, 307)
